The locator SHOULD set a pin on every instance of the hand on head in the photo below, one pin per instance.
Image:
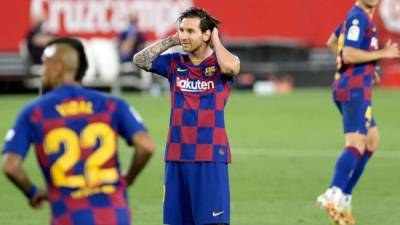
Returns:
(214, 37)
(175, 38)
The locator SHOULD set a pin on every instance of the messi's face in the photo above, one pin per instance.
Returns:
(191, 36)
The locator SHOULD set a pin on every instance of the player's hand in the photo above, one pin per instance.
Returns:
(214, 37)
(391, 50)
(36, 201)
(175, 38)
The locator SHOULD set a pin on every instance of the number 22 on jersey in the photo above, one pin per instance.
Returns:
(74, 144)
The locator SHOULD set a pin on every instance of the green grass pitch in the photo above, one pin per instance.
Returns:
(283, 149)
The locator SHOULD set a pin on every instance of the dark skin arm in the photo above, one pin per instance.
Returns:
(12, 167)
(144, 149)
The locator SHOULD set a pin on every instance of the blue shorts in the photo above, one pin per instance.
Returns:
(356, 116)
(196, 193)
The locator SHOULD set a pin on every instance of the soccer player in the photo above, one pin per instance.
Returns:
(75, 133)
(197, 150)
(356, 44)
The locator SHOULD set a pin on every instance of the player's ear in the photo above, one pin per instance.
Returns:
(59, 69)
(207, 35)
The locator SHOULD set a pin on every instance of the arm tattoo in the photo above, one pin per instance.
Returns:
(144, 58)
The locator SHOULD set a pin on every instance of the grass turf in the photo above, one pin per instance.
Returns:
(284, 149)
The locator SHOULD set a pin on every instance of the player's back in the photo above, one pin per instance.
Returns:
(75, 135)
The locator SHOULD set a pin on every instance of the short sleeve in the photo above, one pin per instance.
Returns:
(129, 121)
(19, 137)
(161, 65)
(356, 28)
(227, 79)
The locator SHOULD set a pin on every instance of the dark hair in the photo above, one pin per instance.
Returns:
(207, 22)
(78, 46)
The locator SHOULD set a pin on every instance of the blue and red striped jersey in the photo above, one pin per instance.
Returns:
(75, 132)
(354, 81)
(199, 94)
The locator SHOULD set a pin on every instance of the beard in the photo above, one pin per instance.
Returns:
(191, 48)
(187, 48)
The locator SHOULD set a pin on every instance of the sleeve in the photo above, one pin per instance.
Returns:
(228, 79)
(129, 121)
(338, 30)
(19, 137)
(356, 28)
(161, 65)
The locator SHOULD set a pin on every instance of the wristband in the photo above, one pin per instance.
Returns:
(32, 192)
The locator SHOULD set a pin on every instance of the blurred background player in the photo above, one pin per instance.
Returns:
(130, 40)
(356, 44)
(37, 38)
(75, 132)
(197, 151)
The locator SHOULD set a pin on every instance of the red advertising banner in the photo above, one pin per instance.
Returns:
(14, 20)
(305, 22)
(388, 23)
(308, 23)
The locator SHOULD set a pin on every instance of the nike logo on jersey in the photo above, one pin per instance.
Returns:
(215, 214)
(181, 69)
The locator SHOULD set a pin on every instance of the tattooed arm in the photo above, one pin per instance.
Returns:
(145, 58)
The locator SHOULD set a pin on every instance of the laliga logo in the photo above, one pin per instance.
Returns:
(187, 85)
(390, 13)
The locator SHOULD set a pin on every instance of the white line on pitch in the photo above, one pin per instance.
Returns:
(304, 153)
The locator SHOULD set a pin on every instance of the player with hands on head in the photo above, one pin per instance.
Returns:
(197, 150)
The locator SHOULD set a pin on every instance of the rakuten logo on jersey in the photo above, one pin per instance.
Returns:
(197, 86)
